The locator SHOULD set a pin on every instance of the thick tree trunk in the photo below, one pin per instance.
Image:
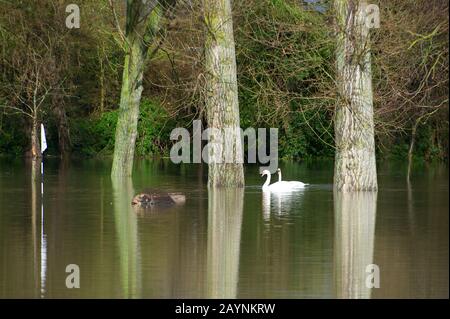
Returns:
(139, 32)
(130, 98)
(222, 107)
(355, 166)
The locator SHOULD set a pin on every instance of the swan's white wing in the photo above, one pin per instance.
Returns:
(285, 186)
(297, 184)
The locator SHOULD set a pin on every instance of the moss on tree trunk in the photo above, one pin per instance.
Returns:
(140, 30)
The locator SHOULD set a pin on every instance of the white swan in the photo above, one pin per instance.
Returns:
(280, 186)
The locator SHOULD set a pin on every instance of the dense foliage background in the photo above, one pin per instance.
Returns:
(285, 57)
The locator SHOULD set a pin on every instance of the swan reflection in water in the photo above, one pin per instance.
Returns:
(281, 203)
(355, 215)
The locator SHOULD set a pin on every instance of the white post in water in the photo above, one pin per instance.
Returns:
(43, 239)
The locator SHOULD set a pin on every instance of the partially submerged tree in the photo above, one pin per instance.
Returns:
(222, 106)
(30, 91)
(143, 20)
(35, 61)
(355, 166)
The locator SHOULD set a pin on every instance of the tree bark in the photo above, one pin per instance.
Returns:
(222, 107)
(141, 25)
(35, 145)
(355, 166)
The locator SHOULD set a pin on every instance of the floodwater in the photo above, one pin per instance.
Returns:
(221, 244)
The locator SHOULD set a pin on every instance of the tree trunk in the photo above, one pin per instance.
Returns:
(102, 84)
(63, 126)
(35, 145)
(139, 31)
(355, 166)
(222, 108)
(411, 148)
(130, 98)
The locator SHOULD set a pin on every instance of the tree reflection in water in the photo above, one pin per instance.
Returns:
(355, 215)
(126, 227)
(225, 208)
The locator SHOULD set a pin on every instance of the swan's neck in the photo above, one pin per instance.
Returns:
(279, 176)
(266, 184)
